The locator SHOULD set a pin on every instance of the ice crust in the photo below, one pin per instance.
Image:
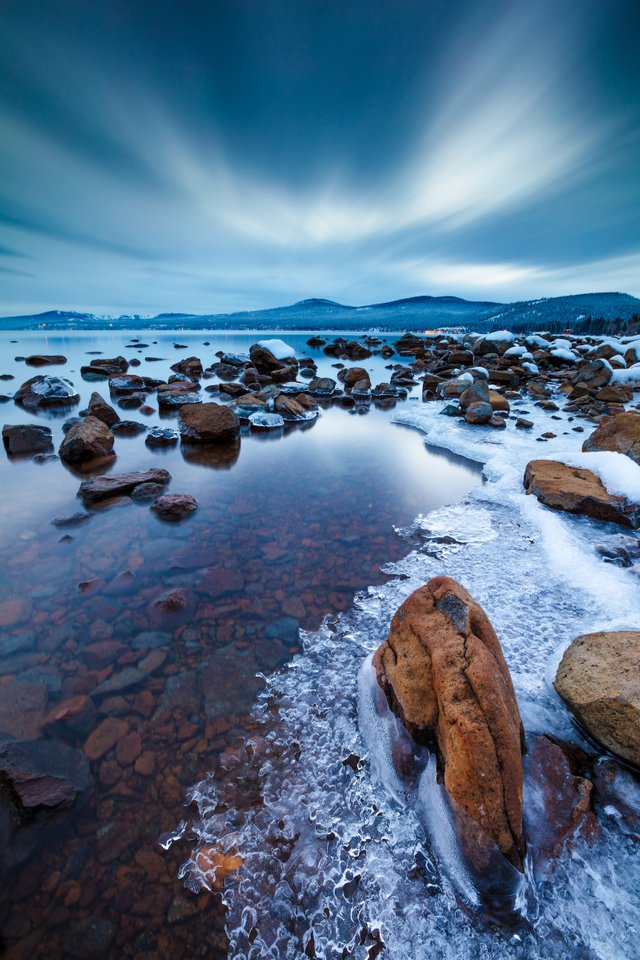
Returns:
(278, 348)
(335, 861)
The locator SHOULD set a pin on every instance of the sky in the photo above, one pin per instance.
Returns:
(207, 157)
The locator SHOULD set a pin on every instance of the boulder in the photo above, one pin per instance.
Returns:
(104, 488)
(479, 413)
(86, 440)
(353, 375)
(620, 434)
(26, 438)
(444, 676)
(265, 362)
(174, 506)
(191, 367)
(44, 360)
(208, 423)
(101, 410)
(578, 490)
(44, 773)
(599, 680)
(162, 437)
(46, 391)
(110, 365)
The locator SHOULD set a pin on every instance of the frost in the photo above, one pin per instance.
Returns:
(266, 421)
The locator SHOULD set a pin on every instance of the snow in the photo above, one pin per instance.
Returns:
(480, 370)
(530, 367)
(499, 336)
(535, 341)
(278, 348)
(517, 351)
(563, 354)
(618, 472)
(266, 421)
(631, 375)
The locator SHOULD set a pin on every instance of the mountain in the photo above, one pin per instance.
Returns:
(595, 311)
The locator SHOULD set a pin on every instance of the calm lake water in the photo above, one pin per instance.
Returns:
(163, 630)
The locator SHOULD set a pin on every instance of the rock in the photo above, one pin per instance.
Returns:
(208, 423)
(577, 490)
(191, 367)
(260, 420)
(162, 437)
(174, 506)
(104, 737)
(22, 709)
(46, 392)
(127, 383)
(599, 680)
(477, 392)
(118, 682)
(350, 376)
(498, 402)
(101, 410)
(524, 424)
(127, 428)
(44, 773)
(620, 434)
(26, 438)
(265, 362)
(86, 440)
(322, 386)
(110, 365)
(444, 675)
(89, 937)
(147, 492)
(44, 360)
(557, 800)
(103, 488)
(479, 413)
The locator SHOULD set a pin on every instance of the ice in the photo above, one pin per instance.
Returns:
(278, 348)
(338, 859)
(266, 421)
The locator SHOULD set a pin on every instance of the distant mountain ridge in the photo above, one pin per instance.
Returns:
(420, 313)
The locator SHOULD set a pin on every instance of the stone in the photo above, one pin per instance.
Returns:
(110, 365)
(577, 490)
(523, 424)
(498, 402)
(101, 410)
(174, 506)
(191, 367)
(619, 434)
(444, 676)
(599, 680)
(102, 488)
(89, 937)
(147, 492)
(86, 440)
(322, 386)
(477, 392)
(22, 708)
(478, 413)
(44, 773)
(46, 391)
(352, 375)
(104, 737)
(26, 438)
(162, 437)
(128, 428)
(44, 360)
(208, 423)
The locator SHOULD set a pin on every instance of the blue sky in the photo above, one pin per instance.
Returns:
(209, 157)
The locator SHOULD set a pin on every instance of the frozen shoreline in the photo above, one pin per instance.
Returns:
(324, 825)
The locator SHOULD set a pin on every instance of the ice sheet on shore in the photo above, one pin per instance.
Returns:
(332, 850)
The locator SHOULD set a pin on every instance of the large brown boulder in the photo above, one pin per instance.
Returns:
(444, 675)
(354, 375)
(99, 408)
(45, 360)
(86, 440)
(619, 434)
(578, 490)
(22, 438)
(119, 485)
(208, 423)
(599, 680)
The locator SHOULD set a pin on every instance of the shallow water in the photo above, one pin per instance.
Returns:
(291, 529)
(328, 836)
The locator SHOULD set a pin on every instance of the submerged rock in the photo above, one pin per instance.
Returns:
(175, 506)
(599, 680)
(26, 438)
(619, 434)
(44, 360)
(444, 675)
(577, 490)
(103, 488)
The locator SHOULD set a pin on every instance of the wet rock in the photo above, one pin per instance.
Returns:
(44, 360)
(127, 383)
(86, 440)
(191, 367)
(89, 937)
(128, 428)
(207, 423)
(23, 708)
(101, 410)
(322, 386)
(147, 492)
(577, 490)
(119, 682)
(46, 391)
(74, 717)
(478, 413)
(621, 549)
(102, 488)
(444, 675)
(523, 424)
(218, 582)
(44, 773)
(175, 506)
(618, 794)
(557, 800)
(291, 410)
(265, 362)
(162, 437)
(351, 376)
(26, 438)
(110, 365)
(599, 680)
(620, 434)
